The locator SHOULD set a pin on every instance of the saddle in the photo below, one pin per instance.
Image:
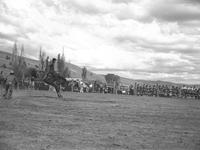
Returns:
(49, 77)
(53, 77)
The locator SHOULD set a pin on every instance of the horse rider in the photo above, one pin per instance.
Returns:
(52, 76)
(51, 71)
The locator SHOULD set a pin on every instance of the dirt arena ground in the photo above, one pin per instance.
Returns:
(37, 120)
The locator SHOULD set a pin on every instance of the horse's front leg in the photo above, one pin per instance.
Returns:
(57, 87)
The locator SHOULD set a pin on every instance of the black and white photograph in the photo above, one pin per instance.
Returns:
(99, 74)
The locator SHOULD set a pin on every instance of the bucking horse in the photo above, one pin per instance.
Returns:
(54, 80)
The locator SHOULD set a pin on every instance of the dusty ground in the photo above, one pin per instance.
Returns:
(37, 120)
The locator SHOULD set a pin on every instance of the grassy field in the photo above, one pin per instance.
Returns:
(35, 120)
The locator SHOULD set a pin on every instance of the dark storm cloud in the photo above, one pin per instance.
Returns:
(166, 48)
(127, 15)
(52, 4)
(9, 37)
(163, 10)
(194, 2)
(49, 3)
(175, 10)
(175, 13)
(7, 21)
(123, 1)
(170, 66)
(87, 8)
(157, 46)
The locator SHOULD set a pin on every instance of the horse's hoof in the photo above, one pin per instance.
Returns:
(60, 96)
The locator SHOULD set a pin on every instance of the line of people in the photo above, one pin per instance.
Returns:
(165, 91)
(7, 84)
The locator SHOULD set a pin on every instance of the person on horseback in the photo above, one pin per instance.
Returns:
(52, 76)
(51, 67)
(51, 73)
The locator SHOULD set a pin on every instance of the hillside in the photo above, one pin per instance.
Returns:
(76, 72)
(127, 81)
(5, 59)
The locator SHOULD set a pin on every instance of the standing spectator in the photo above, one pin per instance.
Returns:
(1, 82)
(10, 82)
(81, 87)
(131, 90)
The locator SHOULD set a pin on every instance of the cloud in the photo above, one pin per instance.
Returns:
(123, 1)
(192, 2)
(134, 38)
(87, 6)
(163, 10)
(175, 11)
(8, 37)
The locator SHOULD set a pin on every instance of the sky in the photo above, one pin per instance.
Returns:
(138, 39)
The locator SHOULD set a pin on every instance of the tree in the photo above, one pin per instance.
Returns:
(61, 64)
(84, 73)
(30, 72)
(21, 57)
(47, 64)
(42, 56)
(67, 73)
(14, 53)
(113, 79)
(18, 63)
(4, 66)
(58, 64)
